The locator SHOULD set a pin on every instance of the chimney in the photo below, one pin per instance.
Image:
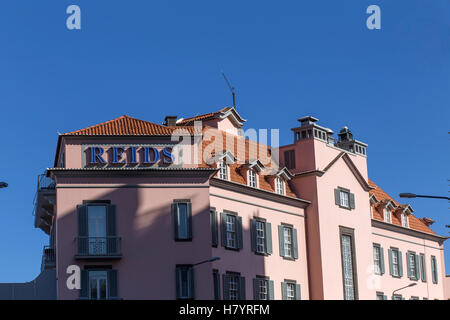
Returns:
(170, 121)
(308, 120)
(345, 134)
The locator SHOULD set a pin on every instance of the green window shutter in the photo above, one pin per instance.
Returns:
(240, 243)
(408, 265)
(268, 229)
(271, 290)
(294, 243)
(382, 260)
(177, 282)
(352, 200)
(281, 240)
(113, 284)
(384, 297)
(84, 290)
(434, 270)
(256, 289)
(216, 279)
(223, 229)
(82, 213)
(391, 269)
(298, 293)
(111, 231)
(226, 287)
(400, 264)
(337, 196)
(191, 275)
(423, 268)
(283, 291)
(189, 214)
(416, 260)
(253, 234)
(176, 222)
(214, 228)
(241, 288)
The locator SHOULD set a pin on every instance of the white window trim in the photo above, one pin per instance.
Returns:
(249, 174)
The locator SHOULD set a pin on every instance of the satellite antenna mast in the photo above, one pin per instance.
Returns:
(233, 93)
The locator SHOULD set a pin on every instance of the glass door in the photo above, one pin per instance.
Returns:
(347, 265)
(98, 285)
(97, 230)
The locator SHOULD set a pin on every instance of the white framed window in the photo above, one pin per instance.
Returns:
(290, 291)
(263, 289)
(377, 259)
(287, 236)
(344, 199)
(279, 185)
(395, 263)
(412, 265)
(397, 297)
(231, 231)
(260, 237)
(404, 220)
(380, 296)
(387, 215)
(233, 287)
(98, 285)
(252, 178)
(223, 170)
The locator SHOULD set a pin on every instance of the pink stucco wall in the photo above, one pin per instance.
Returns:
(144, 222)
(404, 243)
(447, 287)
(247, 262)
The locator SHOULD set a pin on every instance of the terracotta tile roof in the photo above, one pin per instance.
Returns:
(378, 213)
(244, 150)
(205, 116)
(127, 126)
(247, 149)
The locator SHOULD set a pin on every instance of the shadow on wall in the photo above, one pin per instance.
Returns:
(41, 288)
(150, 253)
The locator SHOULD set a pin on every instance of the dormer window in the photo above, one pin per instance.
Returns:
(404, 220)
(387, 215)
(223, 170)
(279, 185)
(252, 178)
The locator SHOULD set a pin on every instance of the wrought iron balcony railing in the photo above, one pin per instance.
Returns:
(98, 248)
(48, 257)
(45, 183)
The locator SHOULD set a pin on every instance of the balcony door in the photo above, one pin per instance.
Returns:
(98, 285)
(97, 230)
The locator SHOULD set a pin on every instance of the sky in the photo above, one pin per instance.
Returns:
(287, 59)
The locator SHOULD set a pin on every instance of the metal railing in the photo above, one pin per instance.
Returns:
(45, 183)
(48, 257)
(98, 247)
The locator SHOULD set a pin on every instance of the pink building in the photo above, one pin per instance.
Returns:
(139, 214)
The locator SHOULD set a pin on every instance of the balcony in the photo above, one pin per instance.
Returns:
(48, 258)
(44, 203)
(100, 248)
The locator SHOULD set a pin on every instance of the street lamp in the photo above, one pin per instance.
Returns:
(3, 185)
(413, 195)
(409, 285)
(208, 260)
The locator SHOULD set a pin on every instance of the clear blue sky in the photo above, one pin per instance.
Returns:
(286, 58)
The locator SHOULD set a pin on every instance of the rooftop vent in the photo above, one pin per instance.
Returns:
(170, 121)
(345, 134)
(308, 120)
